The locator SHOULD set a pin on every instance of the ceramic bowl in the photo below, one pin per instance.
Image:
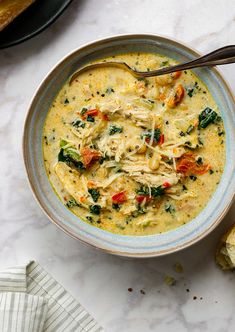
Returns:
(135, 246)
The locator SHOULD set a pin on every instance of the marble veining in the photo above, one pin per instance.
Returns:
(101, 281)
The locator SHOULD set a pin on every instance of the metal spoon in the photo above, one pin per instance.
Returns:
(221, 56)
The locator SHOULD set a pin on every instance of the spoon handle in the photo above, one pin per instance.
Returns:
(221, 56)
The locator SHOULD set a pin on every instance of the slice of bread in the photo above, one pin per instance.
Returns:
(225, 254)
(10, 9)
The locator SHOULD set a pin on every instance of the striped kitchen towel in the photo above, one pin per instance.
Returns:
(32, 301)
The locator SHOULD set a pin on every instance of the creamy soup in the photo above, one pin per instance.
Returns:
(134, 156)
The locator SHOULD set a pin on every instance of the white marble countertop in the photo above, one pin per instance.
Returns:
(101, 281)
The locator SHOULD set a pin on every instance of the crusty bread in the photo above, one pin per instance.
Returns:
(225, 254)
(10, 9)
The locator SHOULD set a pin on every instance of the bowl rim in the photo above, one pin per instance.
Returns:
(26, 163)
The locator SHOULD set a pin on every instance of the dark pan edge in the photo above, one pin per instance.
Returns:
(41, 29)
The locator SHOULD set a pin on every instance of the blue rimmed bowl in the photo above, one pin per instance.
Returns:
(134, 246)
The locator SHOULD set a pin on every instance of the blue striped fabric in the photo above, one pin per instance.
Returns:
(32, 301)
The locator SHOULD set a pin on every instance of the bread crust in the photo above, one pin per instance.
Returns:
(225, 253)
(10, 9)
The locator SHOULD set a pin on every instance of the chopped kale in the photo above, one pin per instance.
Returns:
(95, 194)
(184, 187)
(71, 203)
(95, 209)
(193, 177)
(211, 171)
(113, 130)
(66, 101)
(169, 208)
(206, 117)
(78, 124)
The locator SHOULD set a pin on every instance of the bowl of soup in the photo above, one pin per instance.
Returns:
(135, 167)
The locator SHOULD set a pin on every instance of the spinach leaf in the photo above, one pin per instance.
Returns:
(141, 209)
(63, 143)
(116, 206)
(199, 161)
(95, 209)
(193, 177)
(71, 203)
(83, 111)
(206, 117)
(78, 124)
(90, 118)
(103, 158)
(169, 208)
(156, 135)
(80, 166)
(113, 130)
(143, 191)
(69, 156)
(192, 90)
(155, 191)
(95, 194)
